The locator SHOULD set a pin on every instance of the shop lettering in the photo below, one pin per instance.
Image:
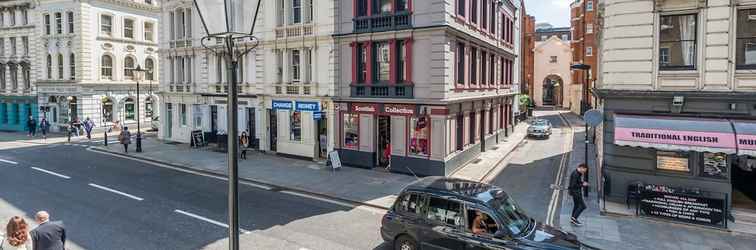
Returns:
(367, 109)
(674, 137)
(281, 105)
(747, 142)
(399, 110)
(307, 106)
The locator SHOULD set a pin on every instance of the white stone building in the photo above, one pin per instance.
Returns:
(286, 83)
(677, 84)
(17, 46)
(87, 51)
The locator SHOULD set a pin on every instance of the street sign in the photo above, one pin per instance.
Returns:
(593, 117)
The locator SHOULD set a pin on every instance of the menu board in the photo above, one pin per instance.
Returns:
(684, 208)
(672, 161)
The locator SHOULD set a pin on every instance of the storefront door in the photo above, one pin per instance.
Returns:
(384, 139)
(168, 120)
(322, 138)
(213, 123)
(251, 124)
(273, 130)
(744, 183)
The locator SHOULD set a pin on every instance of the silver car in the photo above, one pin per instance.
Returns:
(539, 128)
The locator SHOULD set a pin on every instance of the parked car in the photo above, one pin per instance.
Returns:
(155, 123)
(439, 213)
(540, 128)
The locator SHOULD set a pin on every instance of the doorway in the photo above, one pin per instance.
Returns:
(743, 188)
(384, 140)
(168, 120)
(251, 129)
(552, 91)
(273, 130)
(322, 138)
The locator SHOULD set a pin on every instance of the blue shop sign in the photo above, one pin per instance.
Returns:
(317, 115)
(308, 106)
(282, 104)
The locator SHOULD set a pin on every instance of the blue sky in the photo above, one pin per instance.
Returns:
(555, 12)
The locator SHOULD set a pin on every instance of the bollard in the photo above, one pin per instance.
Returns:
(106, 138)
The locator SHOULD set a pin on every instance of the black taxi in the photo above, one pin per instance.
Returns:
(442, 213)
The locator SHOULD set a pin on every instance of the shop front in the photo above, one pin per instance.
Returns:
(15, 111)
(297, 128)
(679, 168)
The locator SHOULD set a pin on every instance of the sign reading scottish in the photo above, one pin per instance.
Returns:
(684, 208)
(364, 107)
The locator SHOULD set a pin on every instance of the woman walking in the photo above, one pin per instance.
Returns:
(125, 139)
(16, 235)
(243, 144)
(44, 127)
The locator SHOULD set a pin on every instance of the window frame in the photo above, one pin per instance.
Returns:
(460, 63)
(150, 31)
(106, 68)
(128, 70)
(109, 31)
(738, 38)
(58, 23)
(127, 30)
(460, 212)
(72, 66)
(48, 24)
(695, 41)
(70, 22)
(589, 5)
(421, 202)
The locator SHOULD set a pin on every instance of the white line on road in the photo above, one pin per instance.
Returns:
(260, 186)
(211, 221)
(9, 162)
(116, 191)
(563, 162)
(51, 173)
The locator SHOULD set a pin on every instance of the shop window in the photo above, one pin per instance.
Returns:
(672, 161)
(107, 110)
(746, 39)
(460, 132)
(420, 135)
(295, 129)
(472, 127)
(715, 165)
(182, 112)
(678, 34)
(351, 131)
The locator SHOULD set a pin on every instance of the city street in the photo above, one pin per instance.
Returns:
(533, 168)
(108, 202)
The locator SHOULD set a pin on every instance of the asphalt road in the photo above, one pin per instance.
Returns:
(108, 202)
(533, 168)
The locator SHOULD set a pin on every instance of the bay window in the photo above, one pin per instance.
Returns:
(745, 55)
(678, 34)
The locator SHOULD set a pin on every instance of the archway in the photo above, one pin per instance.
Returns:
(552, 90)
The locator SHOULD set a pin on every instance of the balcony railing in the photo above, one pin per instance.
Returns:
(383, 91)
(294, 30)
(382, 22)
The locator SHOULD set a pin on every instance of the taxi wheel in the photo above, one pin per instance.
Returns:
(405, 242)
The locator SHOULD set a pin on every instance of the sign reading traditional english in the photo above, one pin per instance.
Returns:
(675, 137)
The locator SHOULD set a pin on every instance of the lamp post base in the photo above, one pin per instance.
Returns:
(139, 142)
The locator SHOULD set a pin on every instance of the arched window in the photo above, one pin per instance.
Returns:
(149, 65)
(49, 66)
(107, 67)
(60, 66)
(72, 66)
(107, 109)
(128, 108)
(128, 67)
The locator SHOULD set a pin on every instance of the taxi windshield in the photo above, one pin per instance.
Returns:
(513, 217)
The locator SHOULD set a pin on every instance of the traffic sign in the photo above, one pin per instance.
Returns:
(593, 117)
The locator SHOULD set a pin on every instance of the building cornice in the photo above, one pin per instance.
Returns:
(130, 4)
(604, 93)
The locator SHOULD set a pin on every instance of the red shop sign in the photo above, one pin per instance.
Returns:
(364, 108)
(399, 109)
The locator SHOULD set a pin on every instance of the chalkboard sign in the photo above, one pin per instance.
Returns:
(684, 208)
(335, 160)
(198, 138)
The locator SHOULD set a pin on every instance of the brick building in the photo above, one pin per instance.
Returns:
(584, 43)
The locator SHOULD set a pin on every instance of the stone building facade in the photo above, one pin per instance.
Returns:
(86, 55)
(677, 87)
(424, 86)
(18, 98)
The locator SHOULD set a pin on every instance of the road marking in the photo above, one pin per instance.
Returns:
(116, 191)
(260, 186)
(556, 194)
(211, 221)
(9, 162)
(51, 173)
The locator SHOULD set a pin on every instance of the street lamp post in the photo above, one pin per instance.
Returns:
(223, 25)
(584, 105)
(138, 73)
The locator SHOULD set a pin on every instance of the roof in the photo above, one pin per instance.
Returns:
(463, 189)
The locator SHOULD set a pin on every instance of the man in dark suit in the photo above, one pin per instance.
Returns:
(577, 184)
(48, 235)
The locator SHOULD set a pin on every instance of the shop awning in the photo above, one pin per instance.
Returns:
(745, 132)
(675, 134)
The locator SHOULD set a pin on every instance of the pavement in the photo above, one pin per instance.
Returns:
(616, 232)
(113, 202)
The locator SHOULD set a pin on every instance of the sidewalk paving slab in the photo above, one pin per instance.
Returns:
(489, 160)
(618, 232)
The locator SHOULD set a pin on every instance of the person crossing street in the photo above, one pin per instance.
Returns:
(576, 186)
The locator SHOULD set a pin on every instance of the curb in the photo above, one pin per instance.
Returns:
(275, 188)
